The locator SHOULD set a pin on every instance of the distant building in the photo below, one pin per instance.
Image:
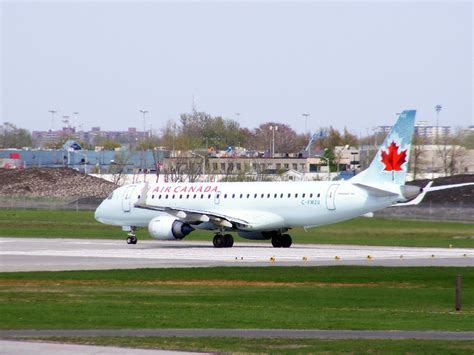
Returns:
(422, 129)
(44, 138)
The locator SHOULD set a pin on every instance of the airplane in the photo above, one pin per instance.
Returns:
(267, 210)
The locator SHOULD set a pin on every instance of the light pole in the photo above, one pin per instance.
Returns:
(305, 115)
(144, 112)
(438, 110)
(76, 123)
(273, 129)
(52, 112)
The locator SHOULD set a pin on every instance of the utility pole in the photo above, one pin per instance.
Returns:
(273, 129)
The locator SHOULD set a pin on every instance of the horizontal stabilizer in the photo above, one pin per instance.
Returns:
(376, 190)
(427, 189)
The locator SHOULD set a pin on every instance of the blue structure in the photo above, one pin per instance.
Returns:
(73, 156)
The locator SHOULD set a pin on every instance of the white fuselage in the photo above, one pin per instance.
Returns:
(269, 205)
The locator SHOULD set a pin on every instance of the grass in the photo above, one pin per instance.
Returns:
(287, 346)
(360, 231)
(340, 297)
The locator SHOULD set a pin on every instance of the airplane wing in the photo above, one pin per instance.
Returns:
(427, 189)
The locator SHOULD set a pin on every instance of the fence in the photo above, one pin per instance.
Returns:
(52, 203)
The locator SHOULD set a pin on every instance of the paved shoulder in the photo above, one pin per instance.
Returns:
(8, 347)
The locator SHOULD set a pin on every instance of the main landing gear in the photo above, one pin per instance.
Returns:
(223, 241)
(132, 238)
(281, 241)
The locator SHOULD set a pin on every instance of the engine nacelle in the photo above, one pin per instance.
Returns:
(264, 235)
(168, 228)
(410, 191)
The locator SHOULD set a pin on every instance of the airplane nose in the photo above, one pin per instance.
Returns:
(99, 211)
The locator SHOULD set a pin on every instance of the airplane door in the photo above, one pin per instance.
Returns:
(127, 199)
(217, 198)
(331, 197)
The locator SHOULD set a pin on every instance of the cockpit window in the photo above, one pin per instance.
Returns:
(110, 196)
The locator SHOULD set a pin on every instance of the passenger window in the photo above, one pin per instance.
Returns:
(262, 195)
(241, 195)
(138, 196)
(180, 196)
(187, 196)
(217, 196)
(303, 195)
(255, 196)
(194, 196)
(281, 196)
(152, 197)
(173, 196)
(319, 195)
(296, 195)
(310, 195)
(202, 196)
(289, 195)
(275, 196)
(166, 196)
(233, 195)
(248, 195)
(268, 195)
(159, 197)
(209, 196)
(225, 195)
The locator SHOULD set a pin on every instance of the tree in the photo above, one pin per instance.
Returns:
(450, 153)
(119, 166)
(418, 149)
(13, 137)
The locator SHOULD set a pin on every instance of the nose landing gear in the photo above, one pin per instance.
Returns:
(131, 237)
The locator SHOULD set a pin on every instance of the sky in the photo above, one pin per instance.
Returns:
(348, 64)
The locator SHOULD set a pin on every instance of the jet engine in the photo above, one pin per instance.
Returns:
(410, 191)
(168, 228)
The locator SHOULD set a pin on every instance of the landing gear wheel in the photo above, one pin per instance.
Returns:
(131, 239)
(229, 241)
(276, 241)
(219, 241)
(286, 241)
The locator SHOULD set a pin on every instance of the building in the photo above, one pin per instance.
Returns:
(44, 138)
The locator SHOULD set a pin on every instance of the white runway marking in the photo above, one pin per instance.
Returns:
(52, 254)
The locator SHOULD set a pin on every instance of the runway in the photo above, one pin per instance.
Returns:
(45, 254)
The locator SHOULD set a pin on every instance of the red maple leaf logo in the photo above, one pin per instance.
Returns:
(392, 160)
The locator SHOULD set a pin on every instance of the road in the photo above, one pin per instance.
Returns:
(48, 254)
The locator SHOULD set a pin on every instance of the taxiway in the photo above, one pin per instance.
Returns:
(48, 254)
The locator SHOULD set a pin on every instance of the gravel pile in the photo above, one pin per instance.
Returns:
(52, 182)
(463, 194)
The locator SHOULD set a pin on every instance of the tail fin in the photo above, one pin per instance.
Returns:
(390, 164)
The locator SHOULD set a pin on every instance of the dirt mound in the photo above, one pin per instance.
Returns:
(52, 182)
(464, 195)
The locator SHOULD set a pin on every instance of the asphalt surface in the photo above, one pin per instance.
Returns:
(48, 254)
(244, 333)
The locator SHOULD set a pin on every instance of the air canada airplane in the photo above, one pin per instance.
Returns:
(267, 210)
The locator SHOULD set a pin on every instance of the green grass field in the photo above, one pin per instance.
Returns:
(285, 346)
(340, 297)
(362, 231)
